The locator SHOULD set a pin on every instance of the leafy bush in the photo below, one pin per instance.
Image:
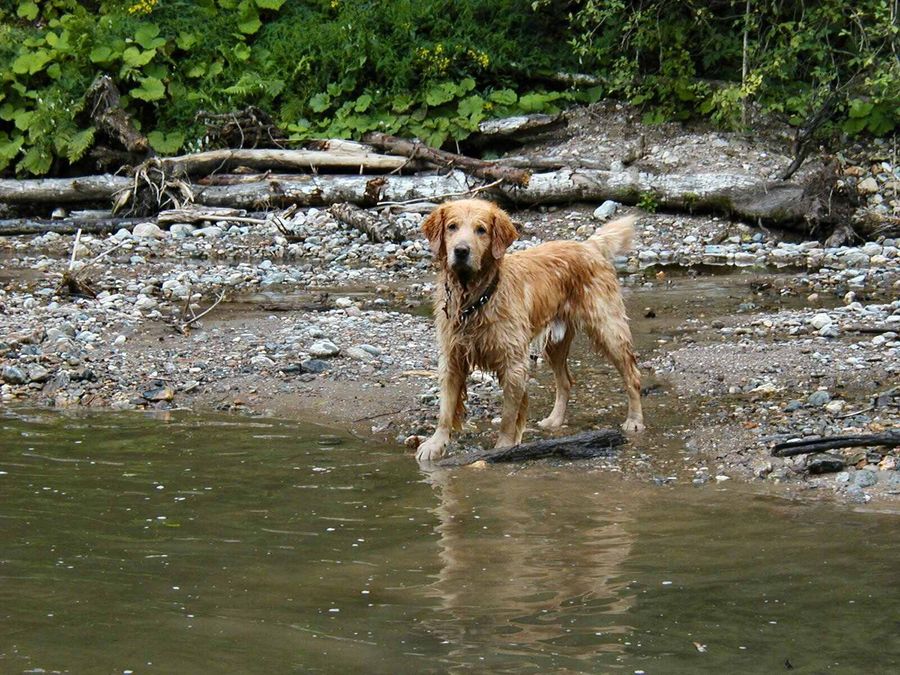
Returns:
(680, 59)
(432, 68)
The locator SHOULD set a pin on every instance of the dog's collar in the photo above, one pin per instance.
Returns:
(473, 305)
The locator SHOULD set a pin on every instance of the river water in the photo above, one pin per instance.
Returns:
(238, 545)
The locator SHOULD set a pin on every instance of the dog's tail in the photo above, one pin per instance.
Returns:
(615, 237)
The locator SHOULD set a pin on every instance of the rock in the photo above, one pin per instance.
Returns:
(158, 391)
(825, 464)
(855, 495)
(359, 354)
(829, 331)
(210, 231)
(864, 478)
(867, 186)
(834, 407)
(819, 398)
(13, 375)
(181, 230)
(374, 351)
(606, 210)
(122, 234)
(793, 406)
(262, 361)
(147, 231)
(144, 302)
(819, 321)
(343, 303)
(314, 366)
(324, 349)
(37, 373)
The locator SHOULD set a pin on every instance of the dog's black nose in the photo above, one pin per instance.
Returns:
(461, 252)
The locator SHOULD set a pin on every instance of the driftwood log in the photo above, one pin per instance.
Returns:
(586, 445)
(889, 439)
(58, 191)
(377, 229)
(297, 160)
(15, 226)
(513, 130)
(418, 150)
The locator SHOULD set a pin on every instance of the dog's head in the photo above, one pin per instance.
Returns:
(468, 236)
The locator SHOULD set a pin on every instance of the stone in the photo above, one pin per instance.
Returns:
(314, 366)
(158, 391)
(324, 349)
(829, 331)
(147, 231)
(359, 354)
(209, 231)
(262, 361)
(864, 478)
(343, 303)
(834, 407)
(793, 406)
(867, 186)
(374, 351)
(824, 463)
(37, 373)
(820, 320)
(181, 230)
(606, 210)
(144, 302)
(819, 398)
(13, 375)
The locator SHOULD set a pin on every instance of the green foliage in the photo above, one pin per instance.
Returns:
(428, 68)
(431, 68)
(679, 59)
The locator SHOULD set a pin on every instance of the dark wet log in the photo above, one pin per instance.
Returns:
(55, 191)
(417, 150)
(375, 227)
(270, 159)
(66, 225)
(106, 113)
(889, 439)
(586, 445)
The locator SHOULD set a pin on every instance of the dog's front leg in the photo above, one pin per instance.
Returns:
(453, 382)
(512, 418)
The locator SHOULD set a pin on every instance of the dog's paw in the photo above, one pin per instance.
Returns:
(550, 423)
(631, 425)
(431, 450)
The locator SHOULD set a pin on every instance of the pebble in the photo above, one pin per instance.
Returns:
(606, 210)
(819, 398)
(147, 230)
(13, 375)
(324, 349)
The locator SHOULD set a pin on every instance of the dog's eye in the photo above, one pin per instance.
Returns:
(452, 227)
(480, 230)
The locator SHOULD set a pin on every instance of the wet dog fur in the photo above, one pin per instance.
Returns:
(489, 307)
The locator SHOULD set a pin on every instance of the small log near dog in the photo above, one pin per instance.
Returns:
(377, 229)
(586, 445)
(888, 439)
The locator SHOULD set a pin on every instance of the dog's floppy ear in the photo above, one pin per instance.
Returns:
(503, 232)
(433, 228)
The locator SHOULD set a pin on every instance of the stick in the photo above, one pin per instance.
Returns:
(588, 444)
(890, 439)
(186, 324)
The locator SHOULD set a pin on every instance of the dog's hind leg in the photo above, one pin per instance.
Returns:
(608, 328)
(557, 354)
(521, 418)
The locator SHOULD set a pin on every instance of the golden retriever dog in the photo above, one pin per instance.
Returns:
(489, 307)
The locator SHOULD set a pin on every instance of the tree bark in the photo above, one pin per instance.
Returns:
(303, 160)
(513, 130)
(107, 114)
(55, 191)
(16, 226)
(476, 167)
(586, 445)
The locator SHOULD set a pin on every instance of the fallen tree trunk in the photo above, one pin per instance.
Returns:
(512, 130)
(377, 229)
(890, 439)
(197, 215)
(65, 226)
(475, 167)
(586, 445)
(55, 191)
(266, 158)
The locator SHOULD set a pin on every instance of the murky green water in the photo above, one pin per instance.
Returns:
(204, 544)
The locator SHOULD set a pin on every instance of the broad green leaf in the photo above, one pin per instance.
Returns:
(186, 40)
(9, 147)
(151, 89)
(470, 106)
(503, 96)
(320, 103)
(147, 36)
(269, 4)
(166, 143)
(37, 161)
(27, 10)
(31, 62)
(101, 54)
(22, 119)
(440, 93)
(860, 108)
(135, 58)
(363, 103)
(242, 51)
(197, 70)
(248, 19)
(402, 103)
